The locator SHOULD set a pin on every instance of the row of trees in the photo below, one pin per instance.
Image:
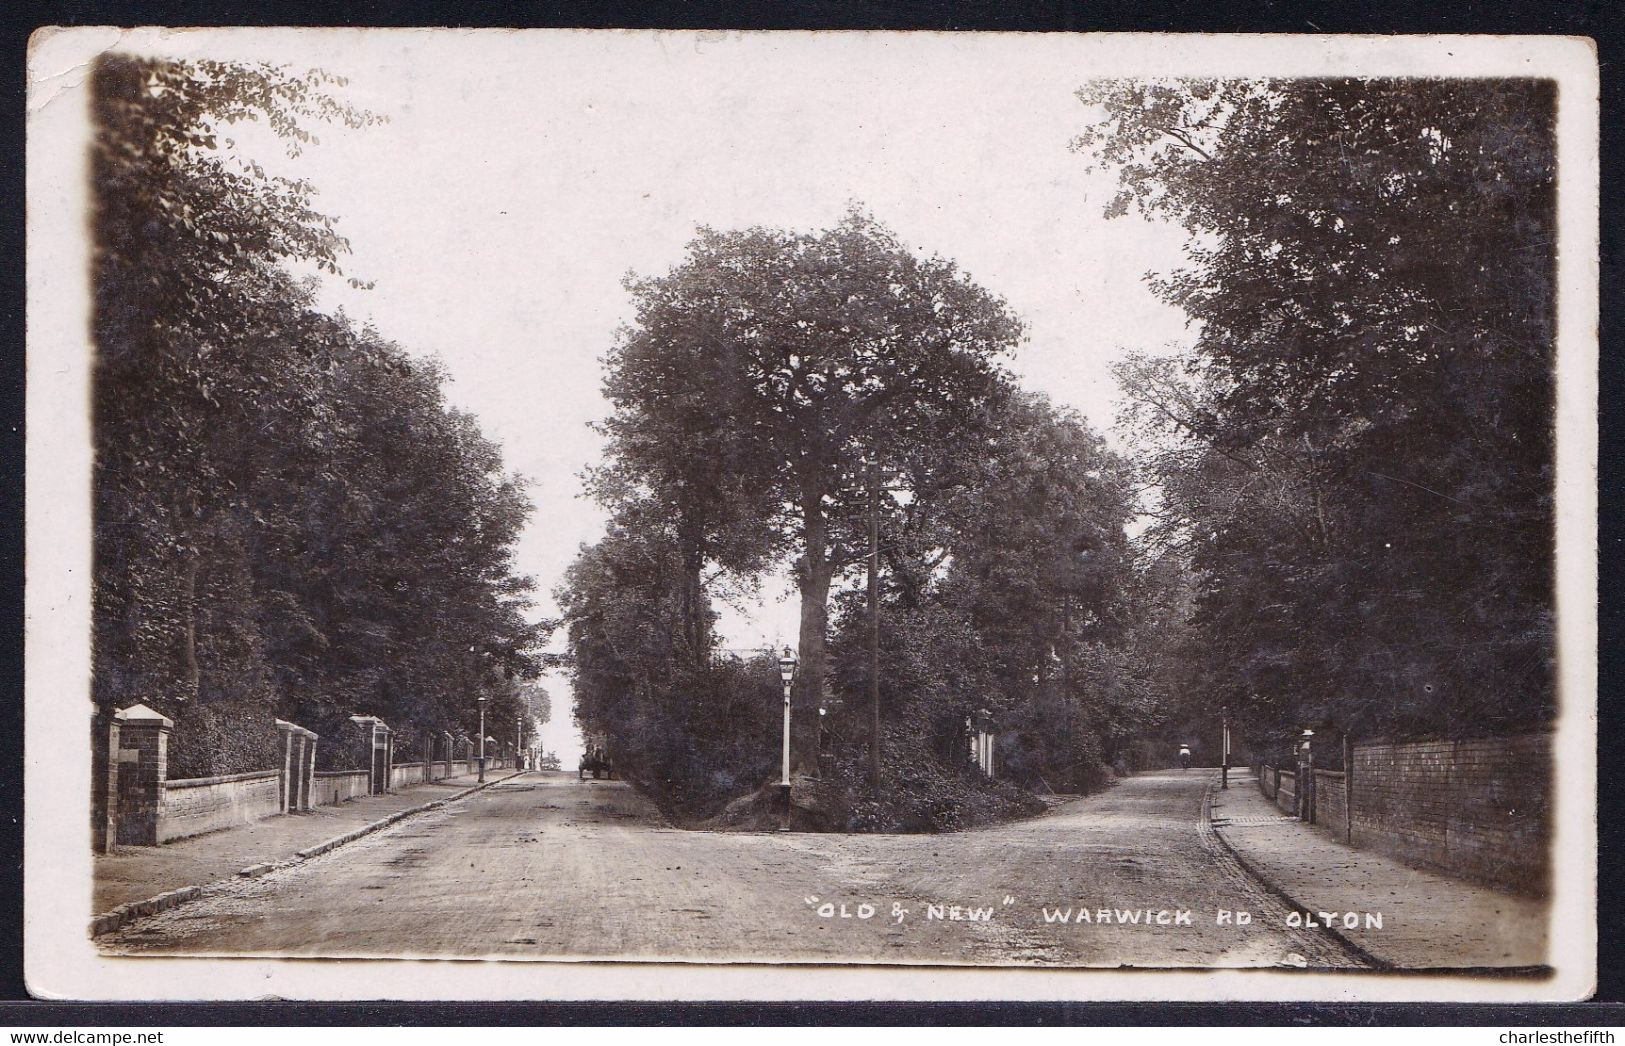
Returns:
(1345, 488)
(1354, 468)
(1348, 481)
(764, 381)
(290, 520)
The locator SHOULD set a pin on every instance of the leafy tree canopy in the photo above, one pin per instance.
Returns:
(1358, 457)
(290, 521)
(774, 365)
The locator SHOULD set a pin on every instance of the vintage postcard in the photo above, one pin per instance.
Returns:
(810, 515)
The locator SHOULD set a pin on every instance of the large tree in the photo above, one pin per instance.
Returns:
(694, 731)
(200, 340)
(790, 360)
(1369, 408)
(1040, 570)
(290, 521)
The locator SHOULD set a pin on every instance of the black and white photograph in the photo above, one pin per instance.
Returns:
(779, 514)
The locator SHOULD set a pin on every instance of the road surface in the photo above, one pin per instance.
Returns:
(543, 866)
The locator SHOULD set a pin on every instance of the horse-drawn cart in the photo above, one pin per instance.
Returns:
(595, 760)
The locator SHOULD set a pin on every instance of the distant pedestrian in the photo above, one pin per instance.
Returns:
(1185, 756)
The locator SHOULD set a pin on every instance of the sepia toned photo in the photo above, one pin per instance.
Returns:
(829, 511)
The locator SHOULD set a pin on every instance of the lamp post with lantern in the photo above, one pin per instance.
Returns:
(787, 674)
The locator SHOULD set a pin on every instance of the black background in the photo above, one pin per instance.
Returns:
(1599, 19)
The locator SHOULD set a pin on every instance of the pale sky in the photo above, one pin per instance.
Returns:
(520, 176)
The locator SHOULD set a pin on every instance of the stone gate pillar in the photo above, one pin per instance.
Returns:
(307, 776)
(298, 766)
(374, 742)
(288, 766)
(143, 766)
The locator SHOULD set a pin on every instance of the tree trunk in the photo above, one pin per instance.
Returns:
(813, 580)
(1066, 647)
(807, 694)
(696, 632)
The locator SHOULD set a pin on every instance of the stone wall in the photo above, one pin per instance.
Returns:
(405, 775)
(1286, 792)
(339, 786)
(206, 804)
(134, 804)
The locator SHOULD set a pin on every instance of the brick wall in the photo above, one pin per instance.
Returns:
(205, 804)
(1329, 805)
(338, 786)
(1477, 808)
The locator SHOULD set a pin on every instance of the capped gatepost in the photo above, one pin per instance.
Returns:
(284, 738)
(447, 734)
(297, 751)
(142, 757)
(375, 738)
(310, 774)
(305, 779)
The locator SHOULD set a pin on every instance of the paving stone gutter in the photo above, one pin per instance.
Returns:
(1273, 887)
(130, 911)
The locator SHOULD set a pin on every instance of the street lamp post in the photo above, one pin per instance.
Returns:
(1224, 748)
(480, 701)
(787, 674)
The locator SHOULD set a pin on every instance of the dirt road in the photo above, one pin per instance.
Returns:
(544, 866)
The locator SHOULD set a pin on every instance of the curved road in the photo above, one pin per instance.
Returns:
(543, 866)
